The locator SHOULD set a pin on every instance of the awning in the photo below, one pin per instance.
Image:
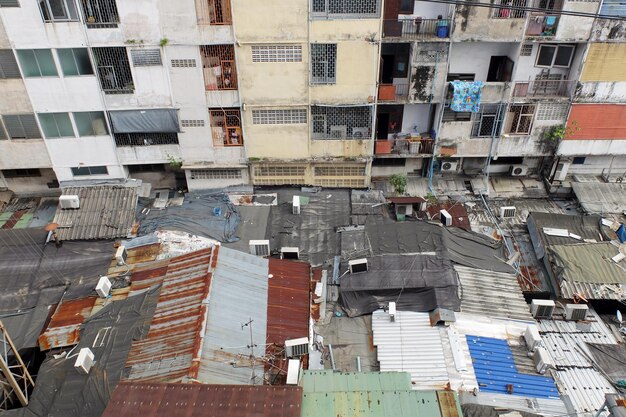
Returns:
(145, 121)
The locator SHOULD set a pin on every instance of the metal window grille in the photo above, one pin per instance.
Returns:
(345, 8)
(145, 139)
(552, 111)
(58, 10)
(450, 115)
(279, 170)
(114, 70)
(22, 126)
(340, 171)
(8, 64)
(226, 127)
(9, 3)
(75, 61)
(323, 63)
(192, 123)
(488, 121)
(527, 49)
(279, 117)
(340, 182)
(100, 13)
(277, 53)
(507, 13)
(341, 122)
(520, 120)
(93, 170)
(37, 62)
(218, 64)
(145, 57)
(213, 12)
(215, 174)
(183, 63)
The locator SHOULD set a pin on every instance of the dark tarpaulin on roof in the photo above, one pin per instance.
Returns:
(24, 327)
(476, 410)
(414, 282)
(60, 391)
(145, 121)
(611, 359)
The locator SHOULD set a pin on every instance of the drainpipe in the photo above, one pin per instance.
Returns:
(379, 43)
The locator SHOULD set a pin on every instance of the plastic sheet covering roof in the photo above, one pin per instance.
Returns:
(64, 327)
(35, 274)
(106, 212)
(61, 391)
(496, 371)
(372, 394)
(24, 327)
(599, 198)
(492, 294)
(548, 407)
(178, 400)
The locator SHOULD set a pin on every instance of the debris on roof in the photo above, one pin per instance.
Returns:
(601, 198)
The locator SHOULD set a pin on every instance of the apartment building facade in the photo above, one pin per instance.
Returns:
(208, 93)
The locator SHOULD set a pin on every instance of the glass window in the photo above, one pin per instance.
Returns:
(21, 126)
(555, 56)
(37, 63)
(75, 61)
(56, 125)
(58, 10)
(95, 170)
(91, 123)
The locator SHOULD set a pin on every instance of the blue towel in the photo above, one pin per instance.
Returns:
(466, 96)
(550, 20)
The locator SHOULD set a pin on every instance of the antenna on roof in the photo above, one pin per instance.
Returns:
(251, 346)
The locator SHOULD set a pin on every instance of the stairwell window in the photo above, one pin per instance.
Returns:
(58, 10)
(323, 63)
(37, 63)
(520, 119)
(75, 61)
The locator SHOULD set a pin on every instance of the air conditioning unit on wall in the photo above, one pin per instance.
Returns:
(361, 132)
(542, 309)
(339, 132)
(519, 170)
(260, 247)
(449, 166)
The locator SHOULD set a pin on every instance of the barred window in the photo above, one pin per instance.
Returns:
(520, 119)
(509, 13)
(278, 117)
(347, 8)
(340, 171)
(226, 127)
(277, 53)
(145, 139)
(216, 174)
(341, 122)
(94, 170)
(213, 12)
(527, 49)
(100, 13)
(145, 57)
(114, 70)
(192, 123)
(323, 63)
(21, 126)
(552, 111)
(279, 170)
(183, 63)
(488, 121)
(218, 64)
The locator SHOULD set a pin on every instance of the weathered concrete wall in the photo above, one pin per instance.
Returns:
(24, 153)
(411, 166)
(275, 141)
(163, 179)
(428, 72)
(156, 154)
(31, 185)
(608, 30)
(275, 21)
(571, 147)
(494, 92)
(600, 92)
(203, 184)
(341, 148)
(476, 24)
(470, 57)
(574, 28)
(597, 165)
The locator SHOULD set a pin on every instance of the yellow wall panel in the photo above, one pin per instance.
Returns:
(605, 62)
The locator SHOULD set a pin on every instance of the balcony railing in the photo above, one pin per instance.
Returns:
(416, 29)
(393, 92)
(413, 146)
(542, 24)
(544, 88)
(145, 139)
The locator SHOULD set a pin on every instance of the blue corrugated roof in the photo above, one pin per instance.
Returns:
(495, 369)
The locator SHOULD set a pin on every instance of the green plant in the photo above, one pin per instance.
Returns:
(174, 163)
(164, 42)
(398, 182)
(557, 133)
(431, 198)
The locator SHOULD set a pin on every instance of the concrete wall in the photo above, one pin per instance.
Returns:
(430, 10)
(474, 58)
(411, 165)
(574, 28)
(601, 92)
(341, 148)
(415, 118)
(608, 30)
(476, 24)
(428, 78)
(24, 153)
(155, 154)
(597, 165)
(275, 21)
(29, 185)
(571, 147)
(202, 184)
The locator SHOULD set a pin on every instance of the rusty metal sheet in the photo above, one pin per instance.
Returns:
(460, 218)
(65, 323)
(187, 400)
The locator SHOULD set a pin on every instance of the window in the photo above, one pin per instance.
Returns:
(8, 64)
(277, 53)
(215, 174)
(579, 160)
(213, 12)
(145, 139)
(21, 173)
(114, 70)
(279, 171)
(341, 122)
(348, 8)
(559, 56)
(218, 63)
(488, 121)
(95, 170)
(183, 63)
(278, 117)
(91, 123)
(100, 13)
(520, 119)
(58, 10)
(455, 116)
(21, 126)
(145, 57)
(192, 123)
(37, 63)
(406, 6)
(389, 162)
(507, 12)
(75, 61)
(552, 111)
(9, 3)
(226, 127)
(134, 169)
(323, 63)
(340, 171)
(527, 49)
(56, 125)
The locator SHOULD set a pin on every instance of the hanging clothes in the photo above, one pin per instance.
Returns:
(466, 96)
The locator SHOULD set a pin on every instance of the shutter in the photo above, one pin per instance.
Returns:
(145, 57)
(22, 126)
(9, 3)
(613, 7)
(8, 64)
(2, 134)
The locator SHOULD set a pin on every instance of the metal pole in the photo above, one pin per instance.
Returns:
(358, 364)
(332, 358)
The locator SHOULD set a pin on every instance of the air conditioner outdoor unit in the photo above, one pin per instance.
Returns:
(296, 347)
(446, 218)
(339, 132)
(532, 338)
(542, 309)
(358, 265)
(289, 253)
(295, 208)
(507, 212)
(542, 360)
(576, 312)
(84, 361)
(519, 170)
(69, 202)
(104, 287)
(260, 247)
(447, 166)
(121, 255)
(561, 171)
(361, 132)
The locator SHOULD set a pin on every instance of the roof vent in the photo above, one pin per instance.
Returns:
(260, 247)
(121, 255)
(296, 347)
(392, 311)
(441, 316)
(358, 265)
(542, 360)
(542, 309)
(446, 218)
(507, 212)
(575, 312)
(69, 202)
(295, 208)
(104, 287)
(84, 361)
(532, 338)
(289, 253)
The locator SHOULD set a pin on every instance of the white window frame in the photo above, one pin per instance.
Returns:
(556, 51)
(66, 9)
(510, 121)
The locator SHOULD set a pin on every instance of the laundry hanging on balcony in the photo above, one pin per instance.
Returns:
(466, 96)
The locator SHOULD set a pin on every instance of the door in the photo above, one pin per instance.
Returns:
(388, 66)
(382, 126)
(500, 69)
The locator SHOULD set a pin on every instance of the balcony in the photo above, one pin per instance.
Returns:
(542, 25)
(415, 146)
(416, 29)
(544, 88)
(393, 92)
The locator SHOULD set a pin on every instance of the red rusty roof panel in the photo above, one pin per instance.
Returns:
(65, 323)
(406, 200)
(171, 350)
(460, 218)
(196, 400)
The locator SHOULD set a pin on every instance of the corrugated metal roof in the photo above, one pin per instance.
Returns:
(492, 294)
(460, 218)
(106, 212)
(549, 407)
(496, 371)
(601, 197)
(64, 327)
(191, 400)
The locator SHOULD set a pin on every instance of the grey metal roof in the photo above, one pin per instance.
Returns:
(492, 294)
(106, 212)
(541, 406)
(600, 197)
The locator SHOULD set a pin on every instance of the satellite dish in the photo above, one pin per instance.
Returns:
(619, 316)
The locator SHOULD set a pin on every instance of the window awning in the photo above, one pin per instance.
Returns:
(145, 121)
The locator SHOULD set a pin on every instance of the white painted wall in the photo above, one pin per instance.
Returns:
(469, 58)
(415, 115)
(601, 92)
(430, 10)
(410, 166)
(58, 94)
(572, 147)
(600, 165)
(526, 70)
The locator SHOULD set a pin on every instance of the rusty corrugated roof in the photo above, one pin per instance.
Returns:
(460, 218)
(187, 400)
(64, 327)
